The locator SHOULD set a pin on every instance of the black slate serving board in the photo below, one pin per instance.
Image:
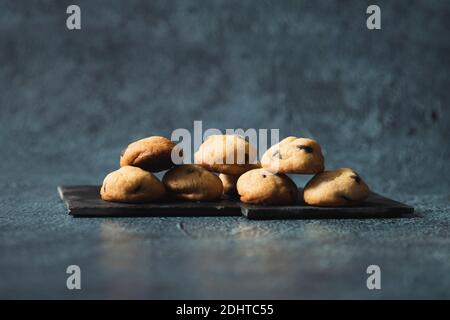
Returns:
(85, 201)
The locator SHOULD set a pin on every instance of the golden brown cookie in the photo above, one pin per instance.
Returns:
(230, 154)
(190, 182)
(151, 154)
(294, 155)
(260, 186)
(131, 184)
(341, 187)
(229, 183)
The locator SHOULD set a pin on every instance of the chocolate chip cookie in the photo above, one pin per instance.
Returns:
(131, 184)
(341, 187)
(193, 183)
(260, 186)
(151, 154)
(294, 155)
(229, 154)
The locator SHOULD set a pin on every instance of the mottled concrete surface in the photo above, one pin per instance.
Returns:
(376, 101)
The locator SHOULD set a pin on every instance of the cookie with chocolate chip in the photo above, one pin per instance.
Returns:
(151, 154)
(260, 186)
(341, 187)
(294, 155)
(192, 183)
(229, 154)
(131, 184)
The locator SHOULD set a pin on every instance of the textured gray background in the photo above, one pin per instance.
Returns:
(376, 101)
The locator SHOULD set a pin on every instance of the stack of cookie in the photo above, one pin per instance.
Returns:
(135, 182)
(228, 155)
(271, 185)
(234, 159)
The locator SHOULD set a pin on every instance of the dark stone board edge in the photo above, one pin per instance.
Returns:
(163, 209)
(383, 208)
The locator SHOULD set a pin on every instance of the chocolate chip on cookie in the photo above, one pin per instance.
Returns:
(151, 154)
(277, 154)
(229, 154)
(307, 149)
(131, 184)
(294, 155)
(260, 186)
(193, 183)
(341, 187)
